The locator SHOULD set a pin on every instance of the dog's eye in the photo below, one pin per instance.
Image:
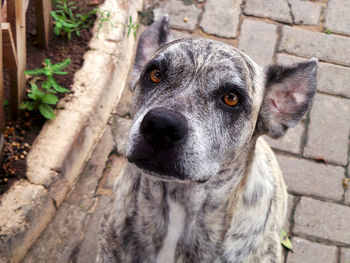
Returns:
(155, 76)
(230, 99)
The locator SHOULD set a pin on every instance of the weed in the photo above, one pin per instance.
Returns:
(328, 31)
(285, 241)
(43, 98)
(132, 26)
(104, 17)
(67, 21)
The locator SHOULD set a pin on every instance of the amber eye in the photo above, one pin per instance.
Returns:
(155, 76)
(230, 99)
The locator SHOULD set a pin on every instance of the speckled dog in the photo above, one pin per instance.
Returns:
(201, 185)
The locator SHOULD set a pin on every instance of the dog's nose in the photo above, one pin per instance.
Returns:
(163, 128)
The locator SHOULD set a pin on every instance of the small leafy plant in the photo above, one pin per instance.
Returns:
(105, 16)
(132, 26)
(42, 98)
(67, 21)
(285, 241)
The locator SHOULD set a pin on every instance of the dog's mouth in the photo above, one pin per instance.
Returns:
(158, 169)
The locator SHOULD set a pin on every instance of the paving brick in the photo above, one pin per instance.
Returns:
(60, 238)
(306, 13)
(322, 220)
(310, 178)
(332, 79)
(88, 249)
(221, 18)
(260, 46)
(309, 252)
(25, 210)
(345, 255)
(285, 59)
(328, 134)
(115, 167)
(83, 194)
(337, 16)
(274, 9)
(181, 16)
(306, 43)
(291, 141)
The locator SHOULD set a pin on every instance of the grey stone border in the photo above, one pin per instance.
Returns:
(64, 145)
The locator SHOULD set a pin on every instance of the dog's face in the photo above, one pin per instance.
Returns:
(198, 103)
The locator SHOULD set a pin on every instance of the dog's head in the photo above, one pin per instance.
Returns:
(199, 104)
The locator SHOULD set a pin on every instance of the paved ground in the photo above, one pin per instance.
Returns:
(314, 155)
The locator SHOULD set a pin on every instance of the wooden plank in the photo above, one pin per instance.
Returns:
(16, 10)
(43, 20)
(9, 58)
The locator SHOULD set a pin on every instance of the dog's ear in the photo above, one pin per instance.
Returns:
(150, 41)
(288, 95)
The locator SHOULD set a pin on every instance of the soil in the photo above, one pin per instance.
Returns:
(20, 133)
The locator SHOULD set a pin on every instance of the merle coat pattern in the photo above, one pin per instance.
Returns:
(210, 189)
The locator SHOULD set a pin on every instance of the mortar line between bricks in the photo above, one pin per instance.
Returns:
(310, 28)
(319, 198)
(266, 19)
(285, 153)
(240, 21)
(323, 15)
(103, 173)
(321, 240)
(283, 51)
(200, 16)
(334, 95)
(338, 255)
(305, 135)
(278, 42)
(291, 219)
(290, 11)
(347, 175)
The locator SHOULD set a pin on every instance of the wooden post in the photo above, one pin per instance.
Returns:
(16, 10)
(43, 20)
(2, 115)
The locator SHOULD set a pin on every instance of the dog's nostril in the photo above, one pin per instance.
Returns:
(162, 128)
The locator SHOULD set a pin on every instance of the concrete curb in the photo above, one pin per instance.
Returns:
(64, 145)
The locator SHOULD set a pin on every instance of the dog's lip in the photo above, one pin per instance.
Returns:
(148, 167)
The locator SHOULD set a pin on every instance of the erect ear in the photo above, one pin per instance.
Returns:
(150, 41)
(288, 95)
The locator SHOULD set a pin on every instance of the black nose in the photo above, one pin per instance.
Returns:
(163, 128)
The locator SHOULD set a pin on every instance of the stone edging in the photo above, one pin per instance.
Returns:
(64, 145)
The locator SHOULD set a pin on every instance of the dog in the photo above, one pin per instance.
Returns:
(201, 184)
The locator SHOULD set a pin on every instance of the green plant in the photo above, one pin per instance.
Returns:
(132, 26)
(328, 31)
(42, 98)
(285, 241)
(67, 21)
(104, 17)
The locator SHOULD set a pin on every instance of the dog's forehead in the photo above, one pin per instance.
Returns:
(209, 58)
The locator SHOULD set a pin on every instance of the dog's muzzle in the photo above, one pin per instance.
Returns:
(163, 132)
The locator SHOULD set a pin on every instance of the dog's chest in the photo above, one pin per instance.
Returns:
(176, 224)
(189, 234)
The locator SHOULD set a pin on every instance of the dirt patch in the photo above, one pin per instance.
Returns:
(20, 134)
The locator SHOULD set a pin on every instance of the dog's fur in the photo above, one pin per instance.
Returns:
(218, 194)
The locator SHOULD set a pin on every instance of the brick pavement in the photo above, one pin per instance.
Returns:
(314, 155)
